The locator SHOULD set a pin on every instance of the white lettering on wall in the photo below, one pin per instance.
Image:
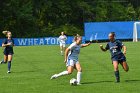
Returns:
(41, 41)
(22, 42)
(35, 42)
(53, 40)
(30, 42)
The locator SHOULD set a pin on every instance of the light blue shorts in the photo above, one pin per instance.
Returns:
(71, 62)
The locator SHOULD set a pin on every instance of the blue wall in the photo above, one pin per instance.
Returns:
(100, 30)
(40, 41)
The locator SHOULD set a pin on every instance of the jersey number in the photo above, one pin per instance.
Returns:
(114, 51)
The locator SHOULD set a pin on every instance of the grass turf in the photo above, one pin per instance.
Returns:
(33, 66)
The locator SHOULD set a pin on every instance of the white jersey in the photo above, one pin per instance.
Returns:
(74, 51)
(62, 39)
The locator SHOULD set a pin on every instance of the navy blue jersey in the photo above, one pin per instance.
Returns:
(114, 47)
(8, 49)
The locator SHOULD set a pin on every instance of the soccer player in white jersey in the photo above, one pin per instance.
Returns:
(71, 59)
(62, 41)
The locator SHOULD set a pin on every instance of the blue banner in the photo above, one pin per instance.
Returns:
(100, 30)
(40, 41)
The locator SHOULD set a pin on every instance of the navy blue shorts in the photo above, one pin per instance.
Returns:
(8, 53)
(120, 58)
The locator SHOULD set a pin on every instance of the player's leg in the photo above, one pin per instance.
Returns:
(67, 72)
(125, 66)
(61, 49)
(64, 47)
(79, 72)
(116, 71)
(70, 68)
(9, 63)
(4, 60)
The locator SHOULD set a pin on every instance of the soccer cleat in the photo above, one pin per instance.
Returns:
(8, 72)
(79, 84)
(54, 76)
(1, 62)
(117, 80)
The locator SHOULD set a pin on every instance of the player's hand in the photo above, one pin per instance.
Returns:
(65, 60)
(89, 43)
(101, 46)
(124, 52)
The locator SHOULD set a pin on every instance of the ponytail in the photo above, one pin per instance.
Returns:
(5, 32)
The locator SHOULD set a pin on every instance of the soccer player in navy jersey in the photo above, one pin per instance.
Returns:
(117, 56)
(8, 43)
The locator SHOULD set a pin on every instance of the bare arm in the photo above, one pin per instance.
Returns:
(66, 54)
(85, 45)
(5, 45)
(124, 50)
(102, 48)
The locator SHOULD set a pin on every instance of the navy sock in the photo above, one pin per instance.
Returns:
(9, 65)
(117, 75)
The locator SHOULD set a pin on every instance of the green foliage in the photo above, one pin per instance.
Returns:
(39, 18)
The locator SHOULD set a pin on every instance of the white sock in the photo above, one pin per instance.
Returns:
(62, 73)
(61, 52)
(79, 77)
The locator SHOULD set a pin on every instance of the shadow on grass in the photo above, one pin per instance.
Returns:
(134, 80)
(24, 71)
(96, 82)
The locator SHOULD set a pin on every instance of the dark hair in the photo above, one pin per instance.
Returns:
(113, 33)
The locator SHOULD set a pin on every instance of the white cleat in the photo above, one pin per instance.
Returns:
(54, 76)
(8, 72)
(79, 84)
(0, 62)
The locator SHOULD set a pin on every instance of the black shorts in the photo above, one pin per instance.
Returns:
(8, 53)
(120, 58)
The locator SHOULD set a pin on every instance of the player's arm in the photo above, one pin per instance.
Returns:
(13, 43)
(67, 51)
(65, 37)
(102, 48)
(66, 54)
(124, 49)
(59, 39)
(5, 45)
(85, 45)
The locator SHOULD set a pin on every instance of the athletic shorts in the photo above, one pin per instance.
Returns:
(120, 58)
(8, 53)
(71, 62)
(62, 45)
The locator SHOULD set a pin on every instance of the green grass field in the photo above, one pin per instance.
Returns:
(33, 66)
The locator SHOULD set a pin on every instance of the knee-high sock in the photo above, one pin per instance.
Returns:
(79, 77)
(117, 75)
(62, 73)
(9, 65)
